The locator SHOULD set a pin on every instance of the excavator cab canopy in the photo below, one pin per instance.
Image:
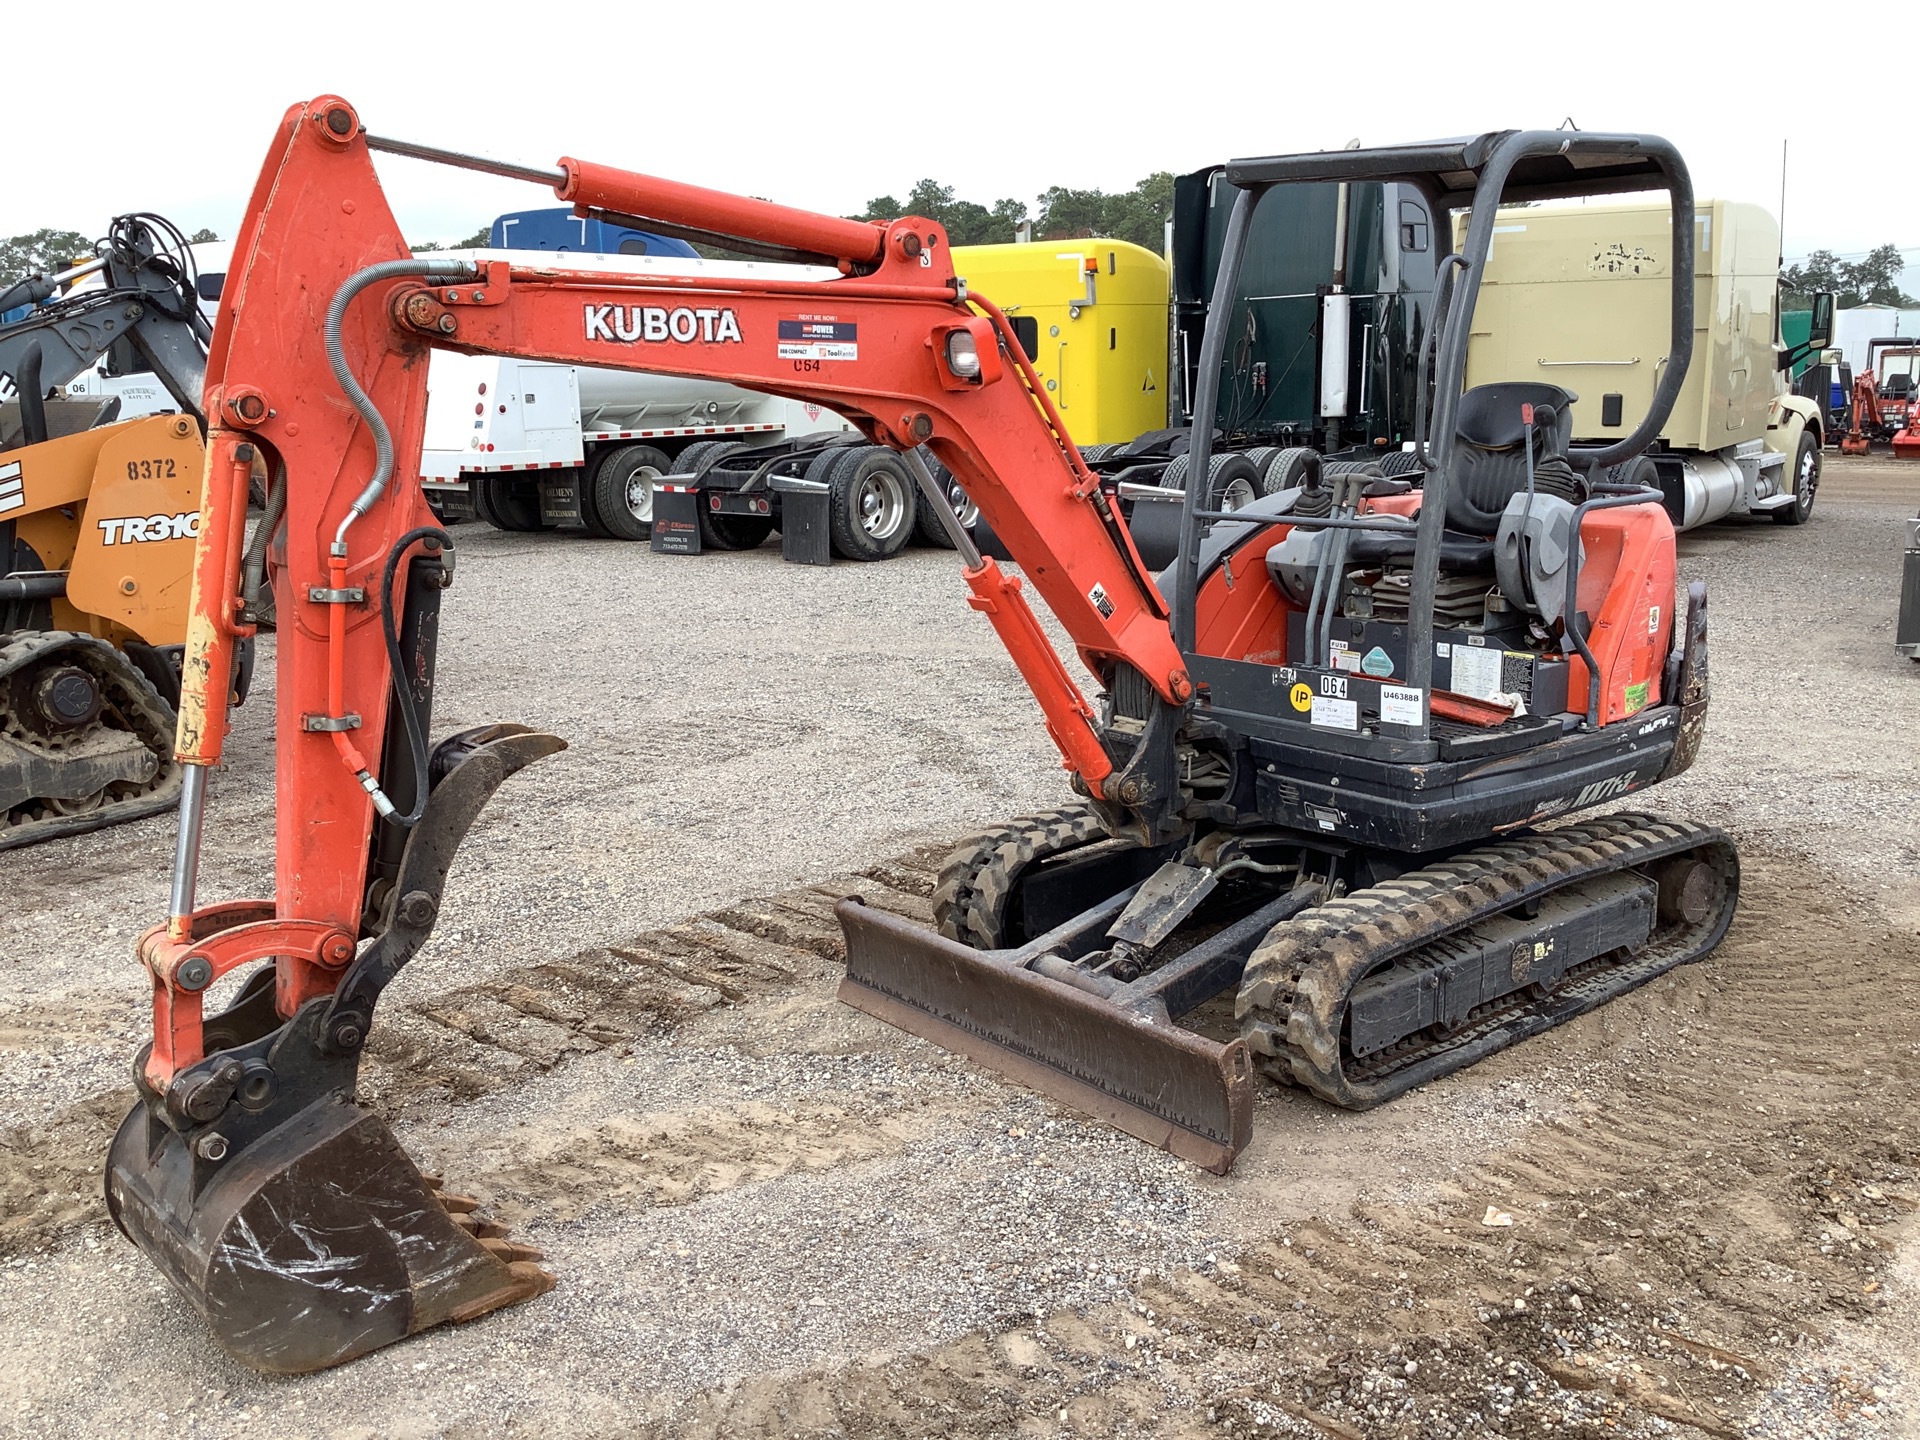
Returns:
(1480, 174)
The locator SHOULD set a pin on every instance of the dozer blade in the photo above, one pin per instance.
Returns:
(1131, 1068)
(316, 1244)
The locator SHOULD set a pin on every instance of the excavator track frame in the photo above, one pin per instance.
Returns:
(1293, 1001)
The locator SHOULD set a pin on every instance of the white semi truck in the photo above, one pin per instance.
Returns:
(1577, 297)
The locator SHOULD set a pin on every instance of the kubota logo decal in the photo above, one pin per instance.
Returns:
(653, 324)
(134, 529)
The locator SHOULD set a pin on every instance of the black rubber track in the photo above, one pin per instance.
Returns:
(1293, 998)
(132, 705)
(978, 878)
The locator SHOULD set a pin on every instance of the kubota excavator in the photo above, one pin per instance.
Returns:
(1310, 784)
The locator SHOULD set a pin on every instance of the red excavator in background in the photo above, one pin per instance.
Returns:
(1309, 784)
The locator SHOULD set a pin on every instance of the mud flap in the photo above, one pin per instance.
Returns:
(319, 1243)
(1131, 1068)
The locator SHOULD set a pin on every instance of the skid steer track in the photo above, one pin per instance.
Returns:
(1293, 1003)
(59, 779)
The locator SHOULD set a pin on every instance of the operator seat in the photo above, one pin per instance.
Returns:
(1490, 462)
(1489, 469)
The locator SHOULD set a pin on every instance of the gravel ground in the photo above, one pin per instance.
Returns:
(771, 1215)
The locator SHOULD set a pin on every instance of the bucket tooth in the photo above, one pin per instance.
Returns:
(478, 1226)
(1181, 1091)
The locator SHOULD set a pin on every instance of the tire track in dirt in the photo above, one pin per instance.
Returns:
(464, 1044)
(672, 1159)
(1686, 1223)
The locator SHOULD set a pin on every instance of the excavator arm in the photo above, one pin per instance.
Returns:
(319, 365)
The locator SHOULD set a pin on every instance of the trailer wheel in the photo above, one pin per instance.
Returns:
(1289, 469)
(1232, 482)
(722, 532)
(1806, 480)
(1401, 462)
(589, 502)
(620, 492)
(698, 456)
(507, 502)
(870, 509)
(927, 524)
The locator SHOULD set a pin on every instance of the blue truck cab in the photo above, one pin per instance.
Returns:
(560, 230)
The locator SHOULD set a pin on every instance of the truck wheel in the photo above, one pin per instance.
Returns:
(1289, 469)
(1232, 482)
(702, 453)
(870, 509)
(507, 502)
(927, 524)
(620, 490)
(1806, 480)
(1174, 477)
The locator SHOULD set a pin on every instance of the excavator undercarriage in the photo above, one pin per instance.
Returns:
(1319, 789)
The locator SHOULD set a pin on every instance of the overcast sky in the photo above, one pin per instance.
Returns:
(826, 106)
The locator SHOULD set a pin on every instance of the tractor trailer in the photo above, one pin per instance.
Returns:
(1577, 297)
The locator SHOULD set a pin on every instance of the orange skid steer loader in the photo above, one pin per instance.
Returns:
(1278, 800)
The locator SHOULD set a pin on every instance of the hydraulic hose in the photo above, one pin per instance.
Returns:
(253, 563)
(350, 384)
(441, 543)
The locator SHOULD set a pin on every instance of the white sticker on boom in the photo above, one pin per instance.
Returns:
(1476, 672)
(1336, 714)
(1400, 705)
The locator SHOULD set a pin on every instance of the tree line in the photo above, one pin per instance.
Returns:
(1873, 280)
(1138, 215)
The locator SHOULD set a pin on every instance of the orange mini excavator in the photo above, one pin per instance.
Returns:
(1310, 784)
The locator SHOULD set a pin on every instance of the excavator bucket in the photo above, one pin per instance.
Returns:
(1126, 1065)
(316, 1244)
(287, 1215)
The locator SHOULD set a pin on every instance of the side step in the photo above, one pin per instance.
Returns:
(1130, 1067)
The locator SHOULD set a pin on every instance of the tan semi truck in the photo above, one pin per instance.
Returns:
(1577, 296)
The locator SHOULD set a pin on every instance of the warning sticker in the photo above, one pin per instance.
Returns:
(1377, 662)
(1636, 697)
(1339, 657)
(815, 338)
(1336, 714)
(1302, 697)
(1476, 672)
(1399, 705)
